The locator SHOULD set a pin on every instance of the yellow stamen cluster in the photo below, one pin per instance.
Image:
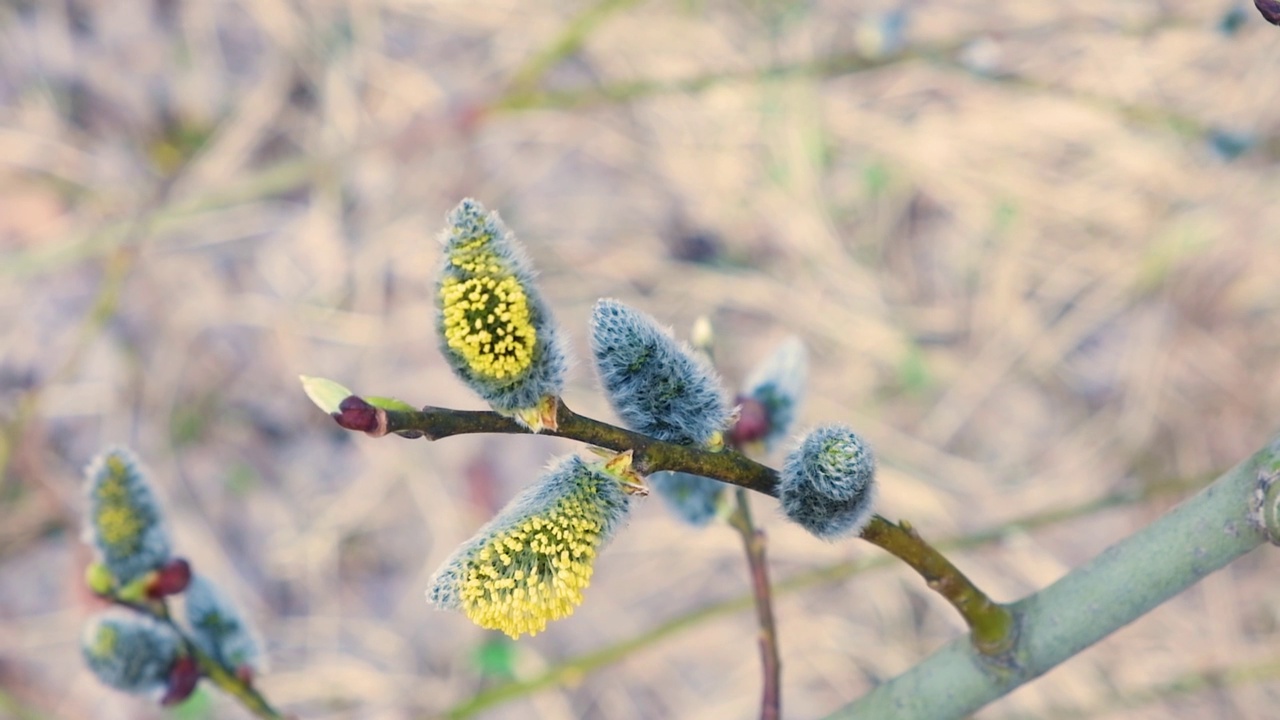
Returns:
(486, 316)
(117, 521)
(535, 571)
(104, 641)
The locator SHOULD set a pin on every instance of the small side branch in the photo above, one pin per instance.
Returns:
(753, 542)
(992, 624)
(993, 627)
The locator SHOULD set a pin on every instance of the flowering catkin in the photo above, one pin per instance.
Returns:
(130, 652)
(531, 563)
(218, 627)
(495, 330)
(125, 524)
(828, 483)
(656, 385)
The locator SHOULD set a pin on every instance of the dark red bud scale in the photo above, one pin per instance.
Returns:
(172, 578)
(752, 424)
(354, 413)
(182, 680)
(1270, 10)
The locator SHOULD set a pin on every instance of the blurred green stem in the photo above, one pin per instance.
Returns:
(227, 681)
(524, 81)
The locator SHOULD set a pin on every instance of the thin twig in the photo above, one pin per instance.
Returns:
(753, 542)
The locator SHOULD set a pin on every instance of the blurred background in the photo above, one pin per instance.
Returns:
(1033, 249)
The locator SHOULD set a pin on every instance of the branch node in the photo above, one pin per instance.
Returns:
(1266, 498)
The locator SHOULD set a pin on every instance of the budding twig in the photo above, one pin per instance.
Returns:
(992, 624)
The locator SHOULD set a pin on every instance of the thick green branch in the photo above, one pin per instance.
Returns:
(1204, 533)
(573, 669)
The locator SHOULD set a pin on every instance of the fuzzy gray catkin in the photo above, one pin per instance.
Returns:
(219, 628)
(130, 652)
(655, 384)
(827, 484)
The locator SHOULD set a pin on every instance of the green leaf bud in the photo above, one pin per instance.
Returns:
(325, 393)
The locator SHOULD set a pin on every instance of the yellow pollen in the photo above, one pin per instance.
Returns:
(118, 526)
(104, 643)
(517, 586)
(487, 320)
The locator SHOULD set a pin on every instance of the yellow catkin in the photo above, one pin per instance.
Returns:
(535, 572)
(117, 522)
(104, 641)
(486, 315)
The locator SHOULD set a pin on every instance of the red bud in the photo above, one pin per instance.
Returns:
(171, 579)
(354, 413)
(753, 422)
(182, 680)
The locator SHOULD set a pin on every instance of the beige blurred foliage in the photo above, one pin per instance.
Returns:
(1024, 262)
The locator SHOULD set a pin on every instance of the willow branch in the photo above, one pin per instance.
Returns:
(1237, 513)
(992, 624)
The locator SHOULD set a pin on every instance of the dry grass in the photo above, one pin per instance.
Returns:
(1028, 288)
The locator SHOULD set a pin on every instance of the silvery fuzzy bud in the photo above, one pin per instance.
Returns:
(219, 628)
(657, 385)
(828, 483)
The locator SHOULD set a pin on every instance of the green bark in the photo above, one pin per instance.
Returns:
(1126, 581)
